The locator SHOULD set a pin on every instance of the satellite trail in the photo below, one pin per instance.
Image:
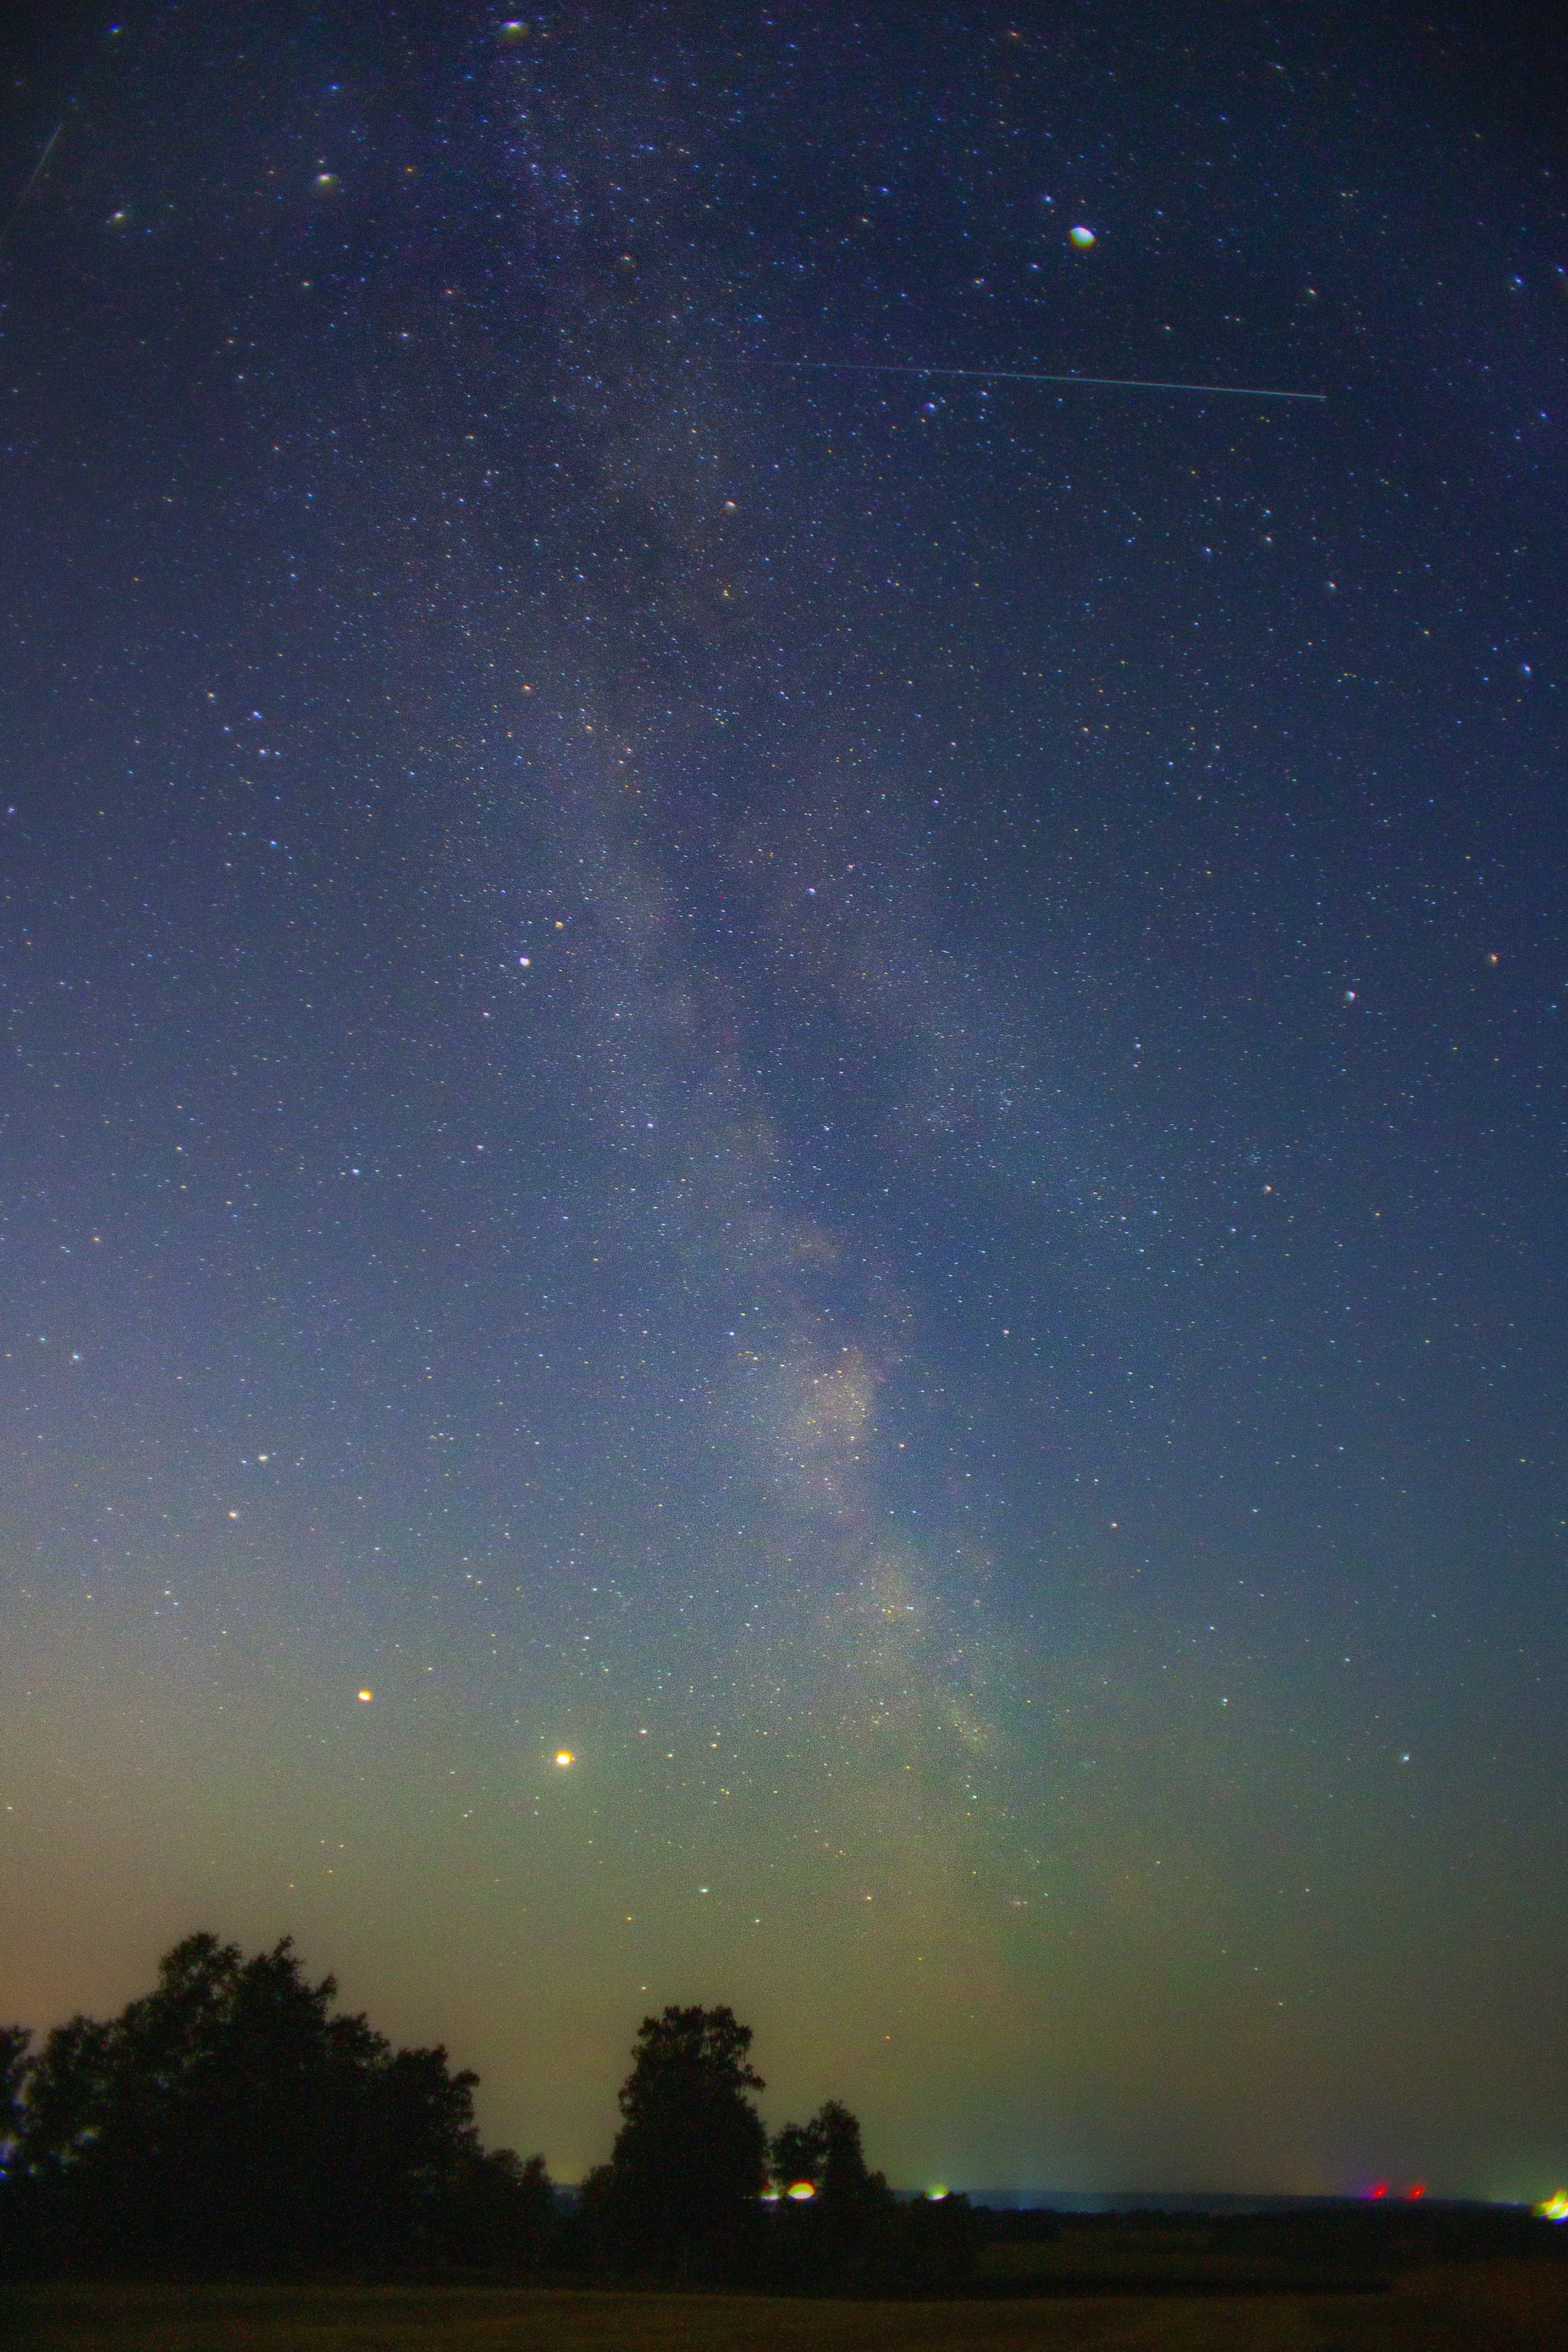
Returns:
(29, 182)
(1035, 376)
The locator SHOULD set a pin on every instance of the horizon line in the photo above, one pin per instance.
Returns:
(1192, 2201)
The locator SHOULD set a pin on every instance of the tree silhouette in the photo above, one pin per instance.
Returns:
(230, 2120)
(846, 2184)
(681, 2191)
(796, 2155)
(837, 2234)
(15, 2042)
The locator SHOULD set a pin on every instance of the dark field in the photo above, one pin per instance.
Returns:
(1516, 2306)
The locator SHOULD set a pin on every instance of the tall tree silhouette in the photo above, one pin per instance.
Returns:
(681, 2191)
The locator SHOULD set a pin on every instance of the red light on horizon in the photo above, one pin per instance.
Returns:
(1378, 2189)
(1419, 2188)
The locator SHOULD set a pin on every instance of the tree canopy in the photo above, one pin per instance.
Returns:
(827, 2154)
(234, 2120)
(229, 2119)
(682, 2187)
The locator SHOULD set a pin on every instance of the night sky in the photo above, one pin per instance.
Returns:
(844, 1089)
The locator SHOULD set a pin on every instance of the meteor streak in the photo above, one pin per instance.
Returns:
(1035, 375)
(35, 174)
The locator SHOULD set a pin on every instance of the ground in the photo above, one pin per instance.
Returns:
(1498, 2307)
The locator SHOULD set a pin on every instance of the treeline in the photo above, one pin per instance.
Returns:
(229, 2121)
(232, 2122)
(694, 2187)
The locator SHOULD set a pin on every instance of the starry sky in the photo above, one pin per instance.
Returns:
(843, 1088)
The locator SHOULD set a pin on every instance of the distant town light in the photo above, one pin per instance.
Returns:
(1555, 2207)
(802, 2191)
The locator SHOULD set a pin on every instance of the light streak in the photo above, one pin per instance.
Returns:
(1040, 375)
(27, 184)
